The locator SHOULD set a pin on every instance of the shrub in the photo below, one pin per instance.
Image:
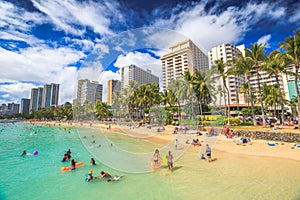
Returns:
(246, 124)
(206, 123)
(234, 121)
(220, 120)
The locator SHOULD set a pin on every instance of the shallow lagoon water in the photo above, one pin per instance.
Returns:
(231, 176)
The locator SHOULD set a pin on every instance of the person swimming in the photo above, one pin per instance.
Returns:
(92, 161)
(23, 153)
(104, 174)
(65, 158)
(89, 176)
(115, 178)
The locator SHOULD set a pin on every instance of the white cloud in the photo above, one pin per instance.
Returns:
(264, 40)
(142, 60)
(37, 63)
(16, 23)
(294, 17)
(208, 29)
(42, 65)
(17, 90)
(64, 14)
(84, 44)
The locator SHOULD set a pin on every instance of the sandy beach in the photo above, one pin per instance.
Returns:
(254, 148)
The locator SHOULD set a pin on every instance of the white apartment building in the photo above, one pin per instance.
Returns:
(228, 52)
(89, 91)
(265, 79)
(184, 56)
(141, 76)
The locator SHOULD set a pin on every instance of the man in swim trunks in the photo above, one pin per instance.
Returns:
(170, 161)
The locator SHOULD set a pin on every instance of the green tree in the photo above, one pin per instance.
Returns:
(291, 46)
(220, 68)
(202, 85)
(242, 65)
(275, 65)
(256, 55)
(101, 110)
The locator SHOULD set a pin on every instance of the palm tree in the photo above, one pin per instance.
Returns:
(220, 68)
(291, 45)
(202, 86)
(242, 65)
(270, 95)
(293, 104)
(188, 90)
(168, 97)
(275, 64)
(176, 86)
(101, 110)
(256, 55)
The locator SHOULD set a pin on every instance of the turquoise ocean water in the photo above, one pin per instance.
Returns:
(40, 177)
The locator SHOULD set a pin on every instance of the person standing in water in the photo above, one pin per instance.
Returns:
(170, 161)
(208, 153)
(73, 164)
(156, 157)
(175, 143)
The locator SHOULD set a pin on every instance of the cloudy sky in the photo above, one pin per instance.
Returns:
(61, 41)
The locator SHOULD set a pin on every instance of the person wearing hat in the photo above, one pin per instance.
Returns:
(90, 176)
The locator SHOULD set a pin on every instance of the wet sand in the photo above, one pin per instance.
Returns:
(255, 148)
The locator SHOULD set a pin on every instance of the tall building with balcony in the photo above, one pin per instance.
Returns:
(265, 78)
(50, 95)
(44, 97)
(135, 73)
(34, 99)
(184, 56)
(227, 52)
(112, 86)
(25, 106)
(90, 91)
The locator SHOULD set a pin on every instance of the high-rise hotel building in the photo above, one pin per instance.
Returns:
(89, 91)
(112, 86)
(44, 97)
(25, 106)
(184, 56)
(228, 52)
(50, 95)
(135, 73)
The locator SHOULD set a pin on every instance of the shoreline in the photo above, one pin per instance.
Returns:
(257, 147)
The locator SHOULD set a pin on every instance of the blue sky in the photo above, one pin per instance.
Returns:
(45, 41)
